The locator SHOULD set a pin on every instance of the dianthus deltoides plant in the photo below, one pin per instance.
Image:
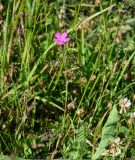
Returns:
(61, 39)
(67, 77)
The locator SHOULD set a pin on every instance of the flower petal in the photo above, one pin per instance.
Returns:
(55, 40)
(60, 43)
(64, 35)
(66, 40)
(58, 35)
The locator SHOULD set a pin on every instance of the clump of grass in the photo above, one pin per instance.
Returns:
(75, 100)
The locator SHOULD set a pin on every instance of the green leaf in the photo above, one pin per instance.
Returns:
(131, 20)
(3, 157)
(108, 132)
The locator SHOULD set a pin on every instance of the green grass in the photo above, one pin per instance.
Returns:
(63, 102)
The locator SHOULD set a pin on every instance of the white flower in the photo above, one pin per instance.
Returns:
(114, 148)
(132, 115)
(124, 104)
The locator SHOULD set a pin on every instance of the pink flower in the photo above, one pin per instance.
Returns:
(61, 39)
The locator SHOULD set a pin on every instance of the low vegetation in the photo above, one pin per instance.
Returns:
(67, 79)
